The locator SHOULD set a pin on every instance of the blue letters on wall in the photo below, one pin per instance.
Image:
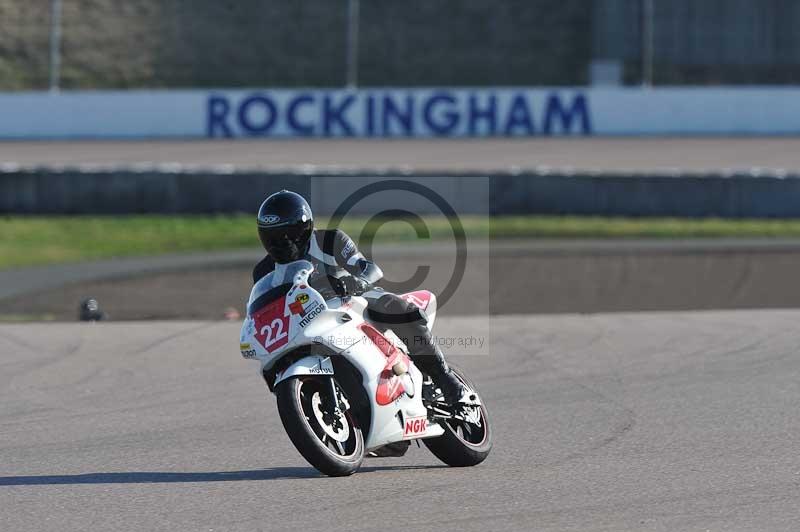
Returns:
(397, 113)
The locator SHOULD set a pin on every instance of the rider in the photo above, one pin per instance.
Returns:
(286, 230)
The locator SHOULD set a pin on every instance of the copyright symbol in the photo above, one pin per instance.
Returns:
(421, 230)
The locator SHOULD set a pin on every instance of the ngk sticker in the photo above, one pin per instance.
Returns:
(415, 426)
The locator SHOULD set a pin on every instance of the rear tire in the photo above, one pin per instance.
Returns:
(463, 444)
(303, 402)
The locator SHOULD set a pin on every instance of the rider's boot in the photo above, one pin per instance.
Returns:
(430, 359)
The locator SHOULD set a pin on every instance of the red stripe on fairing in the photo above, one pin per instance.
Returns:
(390, 387)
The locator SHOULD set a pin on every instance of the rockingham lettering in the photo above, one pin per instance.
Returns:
(398, 113)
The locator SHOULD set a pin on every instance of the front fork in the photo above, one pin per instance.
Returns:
(340, 403)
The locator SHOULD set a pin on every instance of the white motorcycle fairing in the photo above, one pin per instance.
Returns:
(285, 314)
(312, 365)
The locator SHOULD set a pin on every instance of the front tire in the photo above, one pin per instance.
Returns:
(331, 442)
(463, 444)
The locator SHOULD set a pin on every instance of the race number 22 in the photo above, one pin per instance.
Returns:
(272, 326)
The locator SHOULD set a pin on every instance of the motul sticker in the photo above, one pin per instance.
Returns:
(415, 426)
(323, 367)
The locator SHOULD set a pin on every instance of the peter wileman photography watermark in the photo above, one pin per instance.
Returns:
(468, 341)
(414, 229)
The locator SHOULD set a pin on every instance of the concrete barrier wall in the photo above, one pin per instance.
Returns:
(127, 192)
(43, 191)
(442, 112)
(735, 196)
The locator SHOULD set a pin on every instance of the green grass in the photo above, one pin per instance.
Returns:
(44, 240)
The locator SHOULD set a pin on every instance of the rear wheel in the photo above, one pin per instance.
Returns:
(467, 438)
(327, 437)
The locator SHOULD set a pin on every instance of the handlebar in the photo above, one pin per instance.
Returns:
(327, 285)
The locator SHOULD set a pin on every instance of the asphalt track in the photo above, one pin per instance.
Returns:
(646, 421)
(649, 421)
(548, 276)
(666, 155)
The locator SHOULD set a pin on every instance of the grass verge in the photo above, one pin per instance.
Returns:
(26, 241)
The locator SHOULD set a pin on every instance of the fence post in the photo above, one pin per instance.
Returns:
(648, 29)
(55, 45)
(352, 43)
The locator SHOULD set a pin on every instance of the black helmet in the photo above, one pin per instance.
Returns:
(90, 311)
(285, 225)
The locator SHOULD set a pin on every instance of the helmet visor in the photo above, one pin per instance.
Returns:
(285, 243)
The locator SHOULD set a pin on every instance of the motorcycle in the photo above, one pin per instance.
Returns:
(346, 389)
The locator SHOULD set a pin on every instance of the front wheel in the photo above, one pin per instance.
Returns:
(467, 437)
(329, 439)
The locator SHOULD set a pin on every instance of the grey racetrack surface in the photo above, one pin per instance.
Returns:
(556, 276)
(594, 154)
(650, 421)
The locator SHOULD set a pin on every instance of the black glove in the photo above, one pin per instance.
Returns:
(354, 286)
